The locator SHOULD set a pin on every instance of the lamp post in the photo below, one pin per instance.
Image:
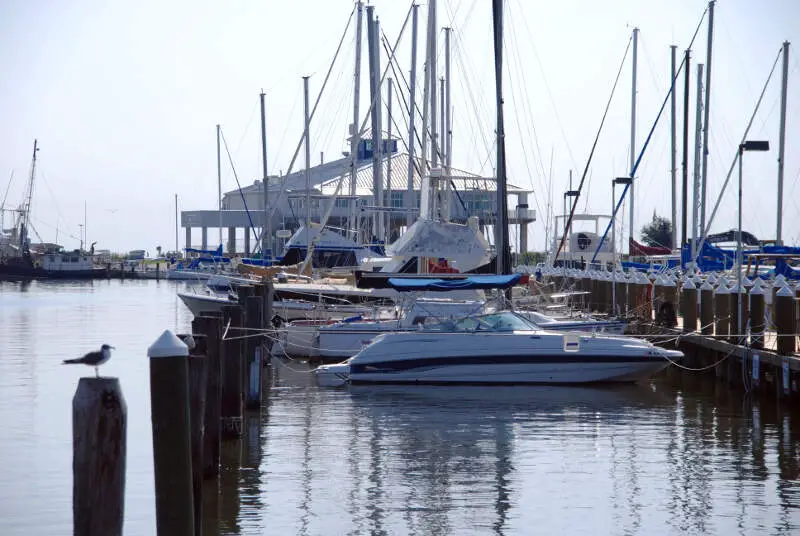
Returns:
(746, 146)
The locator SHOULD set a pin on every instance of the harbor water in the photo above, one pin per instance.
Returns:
(679, 455)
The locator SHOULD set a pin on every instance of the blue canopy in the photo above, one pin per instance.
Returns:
(407, 284)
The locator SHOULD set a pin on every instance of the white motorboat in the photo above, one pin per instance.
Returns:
(497, 348)
(283, 310)
(587, 324)
(334, 341)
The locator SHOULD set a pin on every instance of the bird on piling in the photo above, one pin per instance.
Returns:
(93, 359)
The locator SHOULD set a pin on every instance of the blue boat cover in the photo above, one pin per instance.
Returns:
(409, 284)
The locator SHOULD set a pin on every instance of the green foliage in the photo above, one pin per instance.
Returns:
(658, 232)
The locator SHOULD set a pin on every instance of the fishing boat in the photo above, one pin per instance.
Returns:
(20, 260)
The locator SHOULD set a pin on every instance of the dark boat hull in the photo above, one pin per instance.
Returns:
(21, 271)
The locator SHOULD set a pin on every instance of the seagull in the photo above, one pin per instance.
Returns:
(93, 359)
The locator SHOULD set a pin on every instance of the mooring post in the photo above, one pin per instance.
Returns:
(99, 425)
(172, 454)
(784, 320)
(757, 317)
(253, 356)
(231, 419)
(722, 312)
(689, 306)
(736, 325)
(211, 326)
(707, 308)
(197, 406)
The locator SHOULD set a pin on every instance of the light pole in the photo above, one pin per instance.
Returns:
(746, 146)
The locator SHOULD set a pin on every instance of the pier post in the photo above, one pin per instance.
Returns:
(722, 312)
(99, 424)
(689, 306)
(630, 295)
(622, 294)
(603, 294)
(253, 357)
(757, 317)
(586, 286)
(707, 309)
(231, 412)
(779, 283)
(784, 319)
(169, 400)
(197, 404)
(735, 325)
(211, 327)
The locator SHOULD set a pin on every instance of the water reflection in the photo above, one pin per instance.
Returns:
(682, 456)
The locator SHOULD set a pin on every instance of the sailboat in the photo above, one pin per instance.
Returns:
(498, 347)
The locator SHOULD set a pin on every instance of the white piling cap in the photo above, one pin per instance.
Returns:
(688, 285)
(168, 345)
(785, 291)
(779, 279)
(707, 286)
(757, 290)
(722, 289)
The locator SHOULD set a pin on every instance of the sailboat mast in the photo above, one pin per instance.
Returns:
(707, 104)
(266, 229)
(503, 262)
(698, 148)
(409, 202)
(307, 121)
(354, 137)
(219, 186)
(24, 241)
(673, 167)
(782, 143)
(432, 74)
(633, 126)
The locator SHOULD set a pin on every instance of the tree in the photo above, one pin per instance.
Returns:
(658, 232)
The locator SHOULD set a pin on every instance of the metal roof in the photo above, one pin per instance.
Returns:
(325, 178)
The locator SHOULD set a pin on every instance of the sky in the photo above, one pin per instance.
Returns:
(124, 97)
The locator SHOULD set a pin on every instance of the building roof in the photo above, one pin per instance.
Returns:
(326, 177)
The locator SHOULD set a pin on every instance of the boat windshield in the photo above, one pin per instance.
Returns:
(503, 321)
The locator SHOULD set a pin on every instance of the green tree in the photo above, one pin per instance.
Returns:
(658, 232)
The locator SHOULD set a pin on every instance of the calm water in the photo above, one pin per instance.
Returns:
(680, 456)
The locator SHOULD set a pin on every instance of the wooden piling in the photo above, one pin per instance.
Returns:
(707, 309)
(737, 328)
(232, 384)
(785, 320)
(722, 312)
(99, 426)
(622, 295)
(197, 406)
(169, 400)
(253, 307)
(757, 317)
(630, 296)
(211, 327)
(689, 306)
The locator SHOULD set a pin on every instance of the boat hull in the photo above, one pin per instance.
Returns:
(501, 358)
(9, 271)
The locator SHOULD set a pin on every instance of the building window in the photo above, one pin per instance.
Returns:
(397, 199)
(342, 203)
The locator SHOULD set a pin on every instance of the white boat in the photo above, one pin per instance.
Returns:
(497, 348)
(334, 341)
(283, 310)
(587, 324)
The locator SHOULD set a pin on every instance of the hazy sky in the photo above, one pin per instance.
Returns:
(124, 97)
